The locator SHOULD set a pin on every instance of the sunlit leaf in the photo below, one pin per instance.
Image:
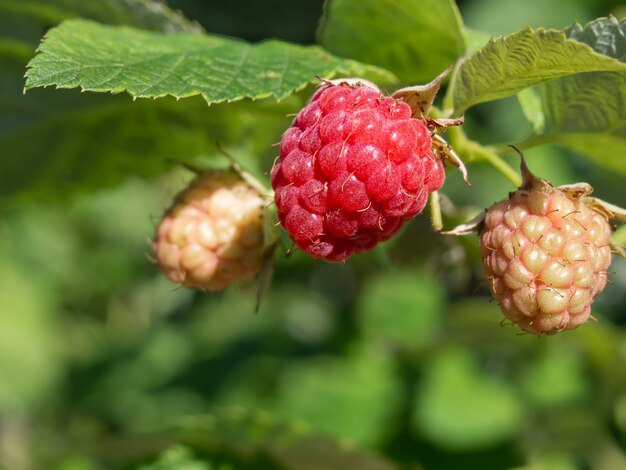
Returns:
(531, 105)
(102, 58)
(261, 440)
(555, 378)
(605, 35)
(458, 407)
(76, 152)
(403, 307)
(508, 64)
(52, 142)
(21, 27)
(30, 353)
(352, 398)
(620, 413)
(180, 457)
(475, 39)
(587, 112)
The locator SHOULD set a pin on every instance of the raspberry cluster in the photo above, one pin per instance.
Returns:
(212, 235)
(545, 255)
(352, 169)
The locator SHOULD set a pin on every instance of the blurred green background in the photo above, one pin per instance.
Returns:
(397, 351)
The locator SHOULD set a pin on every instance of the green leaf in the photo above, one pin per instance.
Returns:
(101, 58)
(179, 457)
(402, 307)
(30, 353)
(620, 413)
(85, 149)
(555, 378)
(220, 330)
(57, 144)
(458, 407)
(556, 460)
(605, 35)
(604, 149)
(531, 105)
(508, 64)
(587, 112)
(475, 39)
(352, 399)
(21, 26)
(50, 139)
(255, 437)
(415, 39)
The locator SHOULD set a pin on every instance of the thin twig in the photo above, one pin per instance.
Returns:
(435, 211)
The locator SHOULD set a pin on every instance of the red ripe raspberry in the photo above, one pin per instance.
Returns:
(545, 254)
(352, 169)
(212, 236)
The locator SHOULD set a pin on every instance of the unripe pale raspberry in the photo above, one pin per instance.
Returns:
(352, 169)
(212, 236)
(545, 254)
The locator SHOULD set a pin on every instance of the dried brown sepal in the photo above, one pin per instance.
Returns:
(575, 191)
(443, 123)
(351, 82)
(611, 211)
(618, 250)
(446, 153)
(468, 228)
(420, 97)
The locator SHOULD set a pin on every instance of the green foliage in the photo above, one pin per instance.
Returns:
(258, 440)
(88, 55)
(63, 144)
(94, 57)
(586, 112)
(32, 337)
(604, 35)
(555, 378)
(415, 39)
(530, 102)
(475, 39)
(180, 457)
(620, 413)
(508, 64)
(459, 407)
(503, 16)
(402, 307)
(332, 394)
(397, 351)
(132, 133)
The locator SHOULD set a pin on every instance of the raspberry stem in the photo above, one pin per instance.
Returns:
(472, 151)
(500, 165)
(619, 236)
(435, 211)
(245, 175)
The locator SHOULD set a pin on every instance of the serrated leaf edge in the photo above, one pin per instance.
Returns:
(348, 67)
(495, 39)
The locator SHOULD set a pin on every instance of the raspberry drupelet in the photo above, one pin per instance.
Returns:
(352, 169)
(212, 236)
(545, 255)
